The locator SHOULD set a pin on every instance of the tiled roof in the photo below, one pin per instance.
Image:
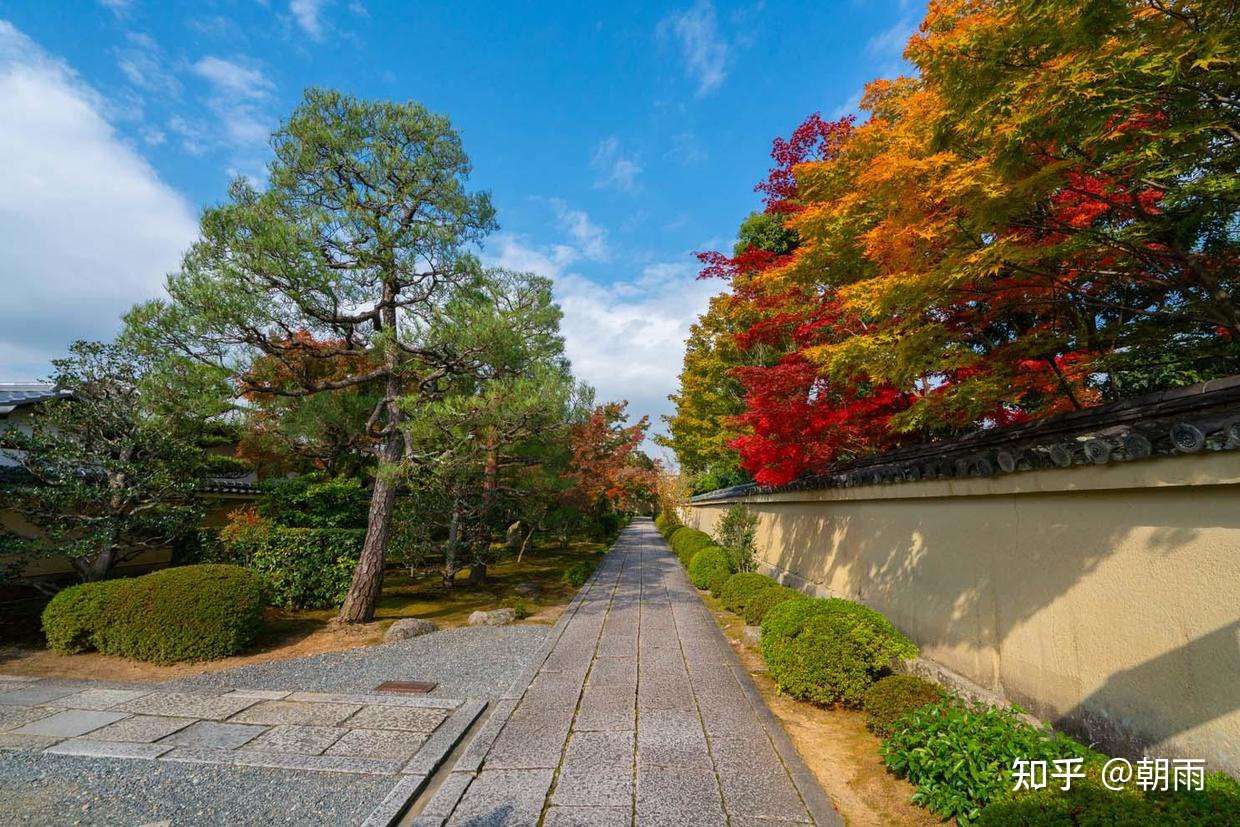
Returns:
(16, 394)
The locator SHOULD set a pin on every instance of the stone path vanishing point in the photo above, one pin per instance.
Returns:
(636, 712)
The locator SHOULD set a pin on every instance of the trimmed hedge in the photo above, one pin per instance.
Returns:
(708, 564)
(687, 542)
(829, 651)
(742, 588)
(198, 612)
(304, 568)
(72, 617)
(960, 756)
(717, 582)
(767, 599)
(893, 697)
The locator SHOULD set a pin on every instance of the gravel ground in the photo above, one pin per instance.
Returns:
(469, 662)
(52, 789)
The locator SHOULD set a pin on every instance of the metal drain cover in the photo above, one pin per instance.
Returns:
(406, 687)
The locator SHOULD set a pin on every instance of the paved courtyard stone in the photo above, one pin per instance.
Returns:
(140, 729)
(37, 694)
(410, 719)
(215, 735)
(98, 698)
(212, 707)
(378, 743)
(301, 739)
(295, 712)
(11, 717)
(639, 714)
(70, 723)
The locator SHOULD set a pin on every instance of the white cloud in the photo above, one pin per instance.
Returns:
(591, 239)
(625, 338)
(117, 7)
(142, 61)
(614, 168)
(308, 13)
(86, 225)
(686, 149)
(890, 42)
(702, 47)
(238, 98)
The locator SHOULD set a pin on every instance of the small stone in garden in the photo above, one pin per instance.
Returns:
(409, 627)
(527, 589)
(751, 636)
(497, 617)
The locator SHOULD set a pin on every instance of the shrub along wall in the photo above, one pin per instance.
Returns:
(1100, 597)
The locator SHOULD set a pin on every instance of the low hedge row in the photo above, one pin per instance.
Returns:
(766, 599)
(893, 697)
(742, 588)
(200, 612)
(665, 522)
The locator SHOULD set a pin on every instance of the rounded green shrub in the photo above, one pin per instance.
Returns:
(742, 588)
(687, 542)
(187, 613)
(765, 600)
(708, 563)
(75, 614)
(829, 651)
(717, 582)
(960, 756)
(893, 697)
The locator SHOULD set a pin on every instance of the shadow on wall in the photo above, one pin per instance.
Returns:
(1119, 713)
(1021, 594)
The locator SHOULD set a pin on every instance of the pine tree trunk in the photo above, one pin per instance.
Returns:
(359, 603)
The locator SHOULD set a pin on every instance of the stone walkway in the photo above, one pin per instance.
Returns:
(637, 712)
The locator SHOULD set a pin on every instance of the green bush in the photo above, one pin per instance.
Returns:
(687, 542)
(666, 523)
(894, 696)
(766, 599)
(314, 501)
(717, 581)
(708, 563)
(1090, 803)
(960, 756)
(578, 573)
(303, 568)
(736, 531)
(829, 651)
(75, 614)
(186, 613)
(742, 588)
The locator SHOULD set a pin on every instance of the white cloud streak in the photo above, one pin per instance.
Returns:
(308, 15)
(702, 48)
(86, 225)
(614, 168)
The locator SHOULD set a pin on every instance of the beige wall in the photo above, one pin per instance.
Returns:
(1106, 599)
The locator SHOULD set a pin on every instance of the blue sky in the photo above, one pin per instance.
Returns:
(616, 139)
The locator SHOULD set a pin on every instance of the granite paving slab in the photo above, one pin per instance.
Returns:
(98, 698)
(210, 706)
(411, 719)
(140, 729)
(296, 738)
(70, 723)
(215, 735)
(639, 714)
(378, 743)
(294, 712)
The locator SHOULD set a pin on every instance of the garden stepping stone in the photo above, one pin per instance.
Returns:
(37, 694)
(11, 717)
(295, 712)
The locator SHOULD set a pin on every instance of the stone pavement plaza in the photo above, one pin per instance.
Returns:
(365, 734)
(636, 712)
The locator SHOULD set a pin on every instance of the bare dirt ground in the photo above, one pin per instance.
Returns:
(835, 745)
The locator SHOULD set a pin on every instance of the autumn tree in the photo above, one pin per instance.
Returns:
(357, 240)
